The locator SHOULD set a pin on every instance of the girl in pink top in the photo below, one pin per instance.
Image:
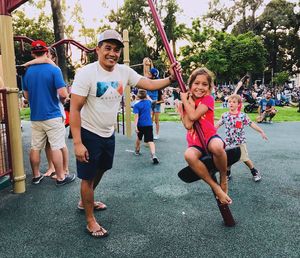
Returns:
(198, 105)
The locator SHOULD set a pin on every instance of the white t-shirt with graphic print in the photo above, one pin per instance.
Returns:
(104, 91)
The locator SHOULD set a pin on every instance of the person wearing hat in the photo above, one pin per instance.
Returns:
(143, 124)
(96, 94)
(40, 46)
(51, 58)
(44, 87)
(157, 98)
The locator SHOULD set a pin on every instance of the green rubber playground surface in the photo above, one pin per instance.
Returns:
(151, 213)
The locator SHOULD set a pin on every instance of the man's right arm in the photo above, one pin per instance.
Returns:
(76, 105)
(158, 84)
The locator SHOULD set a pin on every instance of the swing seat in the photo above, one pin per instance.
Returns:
(188, 175)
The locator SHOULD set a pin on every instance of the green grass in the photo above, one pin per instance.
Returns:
(25, 113)
(284, 114)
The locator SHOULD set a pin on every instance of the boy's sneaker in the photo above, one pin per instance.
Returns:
(37, 180)
(155, 159)
(257, 176)
(137, 153)
(68, 179)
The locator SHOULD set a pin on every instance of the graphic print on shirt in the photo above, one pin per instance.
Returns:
(235, 131)
(102, 87)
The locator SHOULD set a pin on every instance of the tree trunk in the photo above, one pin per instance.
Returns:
(58, 25)
(174, 48)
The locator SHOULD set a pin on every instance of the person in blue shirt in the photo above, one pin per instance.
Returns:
(157, 99)
(143, 124)
(44, 88)
(266, 108)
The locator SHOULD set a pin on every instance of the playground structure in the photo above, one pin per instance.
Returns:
(5, 148)
(67, 42)
(12, 91)
(9, 78)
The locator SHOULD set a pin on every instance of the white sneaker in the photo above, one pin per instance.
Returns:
(156, 137)
(155, 159)
(257, 177)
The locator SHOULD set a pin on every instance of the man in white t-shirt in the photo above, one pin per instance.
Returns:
(96, 94)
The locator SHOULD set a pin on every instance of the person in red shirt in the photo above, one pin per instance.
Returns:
(198, 105)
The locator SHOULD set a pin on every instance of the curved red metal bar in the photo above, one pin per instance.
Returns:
(25, 39)
(74, 43)
(165, 40)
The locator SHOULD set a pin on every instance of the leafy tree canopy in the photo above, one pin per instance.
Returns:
(39, 28)
(228, 56)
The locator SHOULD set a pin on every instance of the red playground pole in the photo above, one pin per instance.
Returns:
(224, 209)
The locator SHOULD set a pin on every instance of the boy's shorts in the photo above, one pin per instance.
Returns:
(101, 154)
(147, 132)
(52, 130)
(244, 152)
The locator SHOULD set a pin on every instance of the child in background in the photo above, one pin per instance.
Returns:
(198, 105)
(143, 124)
(234, 122)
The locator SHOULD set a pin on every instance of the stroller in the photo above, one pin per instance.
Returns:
(253, 104)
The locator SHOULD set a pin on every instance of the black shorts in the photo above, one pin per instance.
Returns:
(216, 136)
(147, 132)
(202, 150)
(101, 154)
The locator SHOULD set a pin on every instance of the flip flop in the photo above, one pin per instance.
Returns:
(50, 175)
(98, 206)
(54, 176)
(96, 233)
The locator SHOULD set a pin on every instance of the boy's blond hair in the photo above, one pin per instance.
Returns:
(236, 97)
